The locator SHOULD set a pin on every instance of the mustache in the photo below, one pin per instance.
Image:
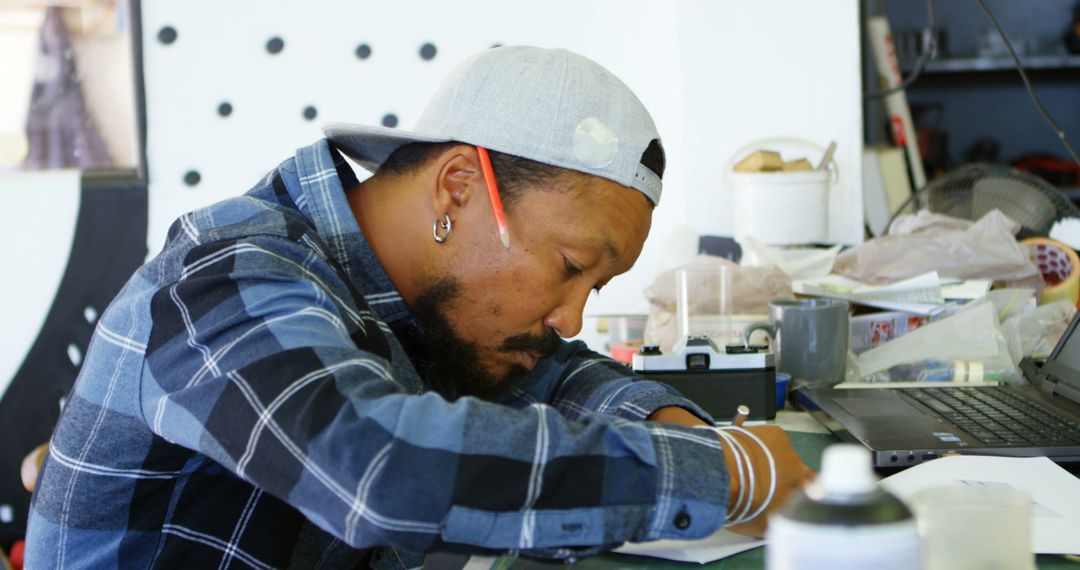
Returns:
(545, 344)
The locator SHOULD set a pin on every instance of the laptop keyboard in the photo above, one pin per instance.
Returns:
(998, 418)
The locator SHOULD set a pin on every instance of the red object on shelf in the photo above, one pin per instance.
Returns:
(16, 557)
(1057, 171)
(624, 353)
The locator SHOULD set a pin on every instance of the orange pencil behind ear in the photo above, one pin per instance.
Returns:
(493, 193)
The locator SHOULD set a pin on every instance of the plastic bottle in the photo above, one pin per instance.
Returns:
(843, 521)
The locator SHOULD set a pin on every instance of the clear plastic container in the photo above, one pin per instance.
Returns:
(704, 301)
(964, 527)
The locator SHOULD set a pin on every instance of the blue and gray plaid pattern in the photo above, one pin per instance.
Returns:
(247, 401)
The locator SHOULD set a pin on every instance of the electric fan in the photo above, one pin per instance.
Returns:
(973, 190)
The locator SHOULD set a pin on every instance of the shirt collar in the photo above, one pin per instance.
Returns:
(317, 183)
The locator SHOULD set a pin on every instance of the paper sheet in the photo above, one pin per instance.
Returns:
(1067, 231)
(801, 422)
(899, 385)
(720, 544)
(921, 294)
(1055, 516)
(966, 289)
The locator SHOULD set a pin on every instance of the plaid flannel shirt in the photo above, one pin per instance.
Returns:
(248, 400)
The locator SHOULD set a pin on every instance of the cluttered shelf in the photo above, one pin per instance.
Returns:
(983, 63)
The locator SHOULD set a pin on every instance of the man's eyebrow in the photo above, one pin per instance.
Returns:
(611, 249)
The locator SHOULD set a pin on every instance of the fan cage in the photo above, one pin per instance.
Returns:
(974, 190)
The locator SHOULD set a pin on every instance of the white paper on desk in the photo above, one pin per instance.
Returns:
(792, 421)
(965, 289)
(913, 384)
(925, 288)
(719, 544)
(920, 294)
(1055, 516)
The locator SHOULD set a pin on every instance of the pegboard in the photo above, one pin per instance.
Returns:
(233, 89)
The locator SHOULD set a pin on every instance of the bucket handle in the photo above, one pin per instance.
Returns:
(834, 171)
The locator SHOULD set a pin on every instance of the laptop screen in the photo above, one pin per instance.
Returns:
(1063, 366)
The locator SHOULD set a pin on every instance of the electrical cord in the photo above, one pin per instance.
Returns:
(929, 47)
(1027, 84)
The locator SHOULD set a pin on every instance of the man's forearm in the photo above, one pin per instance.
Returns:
(676, 415)
(682, 417)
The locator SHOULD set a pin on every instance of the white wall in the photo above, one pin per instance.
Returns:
(750, 71)
(40, 209)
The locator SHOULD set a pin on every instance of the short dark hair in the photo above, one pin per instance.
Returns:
(514, 174)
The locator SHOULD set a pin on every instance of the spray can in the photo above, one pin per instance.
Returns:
(843, 521)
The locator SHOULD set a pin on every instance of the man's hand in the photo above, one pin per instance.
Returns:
(791, 472)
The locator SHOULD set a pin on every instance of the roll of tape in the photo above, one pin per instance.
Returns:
(1060, 268)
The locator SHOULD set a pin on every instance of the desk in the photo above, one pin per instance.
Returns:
(809, 446)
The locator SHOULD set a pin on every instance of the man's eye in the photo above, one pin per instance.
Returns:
(571, 269)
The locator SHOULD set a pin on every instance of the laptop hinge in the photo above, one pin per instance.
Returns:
(1046, 386)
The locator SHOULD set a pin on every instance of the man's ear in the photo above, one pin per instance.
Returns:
(457, 179)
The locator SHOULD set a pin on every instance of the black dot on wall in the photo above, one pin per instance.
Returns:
(363, 51)
(427, 51)
(224, 109)
(274, 45)
(167, 35)
(495, 45)
(310, 113)
(192, 177)
(389, 120)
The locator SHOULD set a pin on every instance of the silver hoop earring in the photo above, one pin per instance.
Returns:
(447, 226)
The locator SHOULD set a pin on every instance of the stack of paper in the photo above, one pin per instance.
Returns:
(720, 544)
(1055, 493)
(925, 294)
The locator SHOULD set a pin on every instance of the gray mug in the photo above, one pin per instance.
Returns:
(810, 339)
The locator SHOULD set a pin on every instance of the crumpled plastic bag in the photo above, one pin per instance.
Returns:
(797, 263)
(753, 287)
(925, 220)
(1012, 302)
(995, 332)
(1036, 333)
(973, 334)
(986, 249)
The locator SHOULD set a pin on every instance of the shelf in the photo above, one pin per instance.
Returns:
(1072, 192)
(980, 64)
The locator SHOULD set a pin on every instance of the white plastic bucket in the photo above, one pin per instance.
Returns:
(782, 208)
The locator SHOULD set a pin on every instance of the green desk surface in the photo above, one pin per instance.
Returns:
(810, 447)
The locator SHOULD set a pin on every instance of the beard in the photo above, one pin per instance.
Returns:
(455, 362)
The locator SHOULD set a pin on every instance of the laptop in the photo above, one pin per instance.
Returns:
(907, 426)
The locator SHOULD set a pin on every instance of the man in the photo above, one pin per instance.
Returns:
(322, 366)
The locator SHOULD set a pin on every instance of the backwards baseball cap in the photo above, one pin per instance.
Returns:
(548, 105)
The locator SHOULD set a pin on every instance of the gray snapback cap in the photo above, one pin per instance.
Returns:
(548, 105)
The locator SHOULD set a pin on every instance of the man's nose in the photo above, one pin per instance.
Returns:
(565, 319)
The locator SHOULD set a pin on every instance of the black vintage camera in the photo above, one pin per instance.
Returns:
(717, 380)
